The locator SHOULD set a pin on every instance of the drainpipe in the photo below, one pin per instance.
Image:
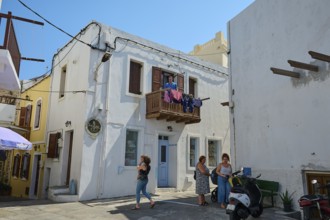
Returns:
(100, 189)
(231, 109)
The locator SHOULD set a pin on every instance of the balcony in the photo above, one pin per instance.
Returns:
(10, 57)
(7, 108)
(159, 109)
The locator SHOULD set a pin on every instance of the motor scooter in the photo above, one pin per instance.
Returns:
(244, 198)
(316, 203)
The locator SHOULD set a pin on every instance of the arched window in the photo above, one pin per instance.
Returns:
(17, 163)
(37, 115)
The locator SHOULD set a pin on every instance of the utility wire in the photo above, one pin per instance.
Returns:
(91, 46)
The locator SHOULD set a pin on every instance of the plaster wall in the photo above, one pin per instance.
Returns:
(98, 163)
(279, 124)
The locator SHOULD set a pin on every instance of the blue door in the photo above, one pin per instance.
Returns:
(162, 163)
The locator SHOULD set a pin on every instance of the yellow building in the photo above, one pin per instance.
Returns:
(214, 51)
(27, 167)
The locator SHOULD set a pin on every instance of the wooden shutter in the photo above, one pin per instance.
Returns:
(156, 78)
(28, 115)
(192, 86)
(16, 166)
(52, 146)
(22, 116)
(180, 82)
(135, 78)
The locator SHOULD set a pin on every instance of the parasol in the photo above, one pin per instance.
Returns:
(10, 140)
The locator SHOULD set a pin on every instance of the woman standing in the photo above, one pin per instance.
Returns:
(224, 171)
(202, 180)
(142, 181)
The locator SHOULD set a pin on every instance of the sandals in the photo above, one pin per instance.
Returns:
(204, 204)
(135, 208)
(152, 205)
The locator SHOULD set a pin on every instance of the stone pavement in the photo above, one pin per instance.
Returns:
(169, 205)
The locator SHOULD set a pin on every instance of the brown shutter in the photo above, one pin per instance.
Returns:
(180, 82)
(52, 146)
(156, 78)
(135, 78)
(28, 115)
(22, 116)
(192, 86)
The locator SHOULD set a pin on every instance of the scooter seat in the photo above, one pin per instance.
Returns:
(238, 189)
(311, 197)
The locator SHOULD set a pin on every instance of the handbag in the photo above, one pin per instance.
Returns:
(194, 174)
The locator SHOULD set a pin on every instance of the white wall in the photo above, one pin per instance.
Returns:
(279, 122)
(98, 164)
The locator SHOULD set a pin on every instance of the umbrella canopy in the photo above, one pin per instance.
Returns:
(10, 140)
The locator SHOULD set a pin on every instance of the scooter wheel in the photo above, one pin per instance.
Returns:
(233, 216)
(256, 214)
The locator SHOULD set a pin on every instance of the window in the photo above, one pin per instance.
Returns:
(53, 149)
(17, 163)
(25, 116)
(135, 78)
(192, 86)
(193, 152)
(212, 153)
(131, 148)
(160, 77)
(37, 115)
(24, 173)
(62, 82)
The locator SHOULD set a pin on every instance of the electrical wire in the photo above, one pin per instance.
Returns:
(35, 78)
(91, 46)
(74, 91)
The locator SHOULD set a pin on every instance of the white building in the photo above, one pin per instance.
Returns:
(280, 124)
(106, 109)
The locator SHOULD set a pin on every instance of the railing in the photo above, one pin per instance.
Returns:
(8, 100)
(161, 110)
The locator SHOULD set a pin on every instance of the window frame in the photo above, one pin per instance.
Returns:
(63, 77)
(37, 114)
(195, 83)
(142, 74)
(16, 166)
(25, 168)
(136, 143)
(218, 151)
(53, 149)
(197, 150)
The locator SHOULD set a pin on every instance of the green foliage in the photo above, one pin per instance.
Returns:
(5, 187)
(286, 197)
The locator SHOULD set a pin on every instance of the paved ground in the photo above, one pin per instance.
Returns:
(173, 205)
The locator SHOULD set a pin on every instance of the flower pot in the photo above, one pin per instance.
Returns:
(287, 207)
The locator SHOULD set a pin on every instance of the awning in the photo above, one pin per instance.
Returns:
(10, 140)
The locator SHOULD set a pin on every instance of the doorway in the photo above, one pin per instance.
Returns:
(33, 193)
(163, 158)
(69, 134)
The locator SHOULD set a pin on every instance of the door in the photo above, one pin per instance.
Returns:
(34, 185)
(162, 162)
(68, 172)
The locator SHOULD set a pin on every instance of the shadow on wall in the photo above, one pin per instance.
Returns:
(309, 76)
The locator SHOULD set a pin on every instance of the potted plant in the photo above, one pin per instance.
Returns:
(5, 189)
(287, 200)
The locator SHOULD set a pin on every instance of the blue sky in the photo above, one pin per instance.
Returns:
(178, 24)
